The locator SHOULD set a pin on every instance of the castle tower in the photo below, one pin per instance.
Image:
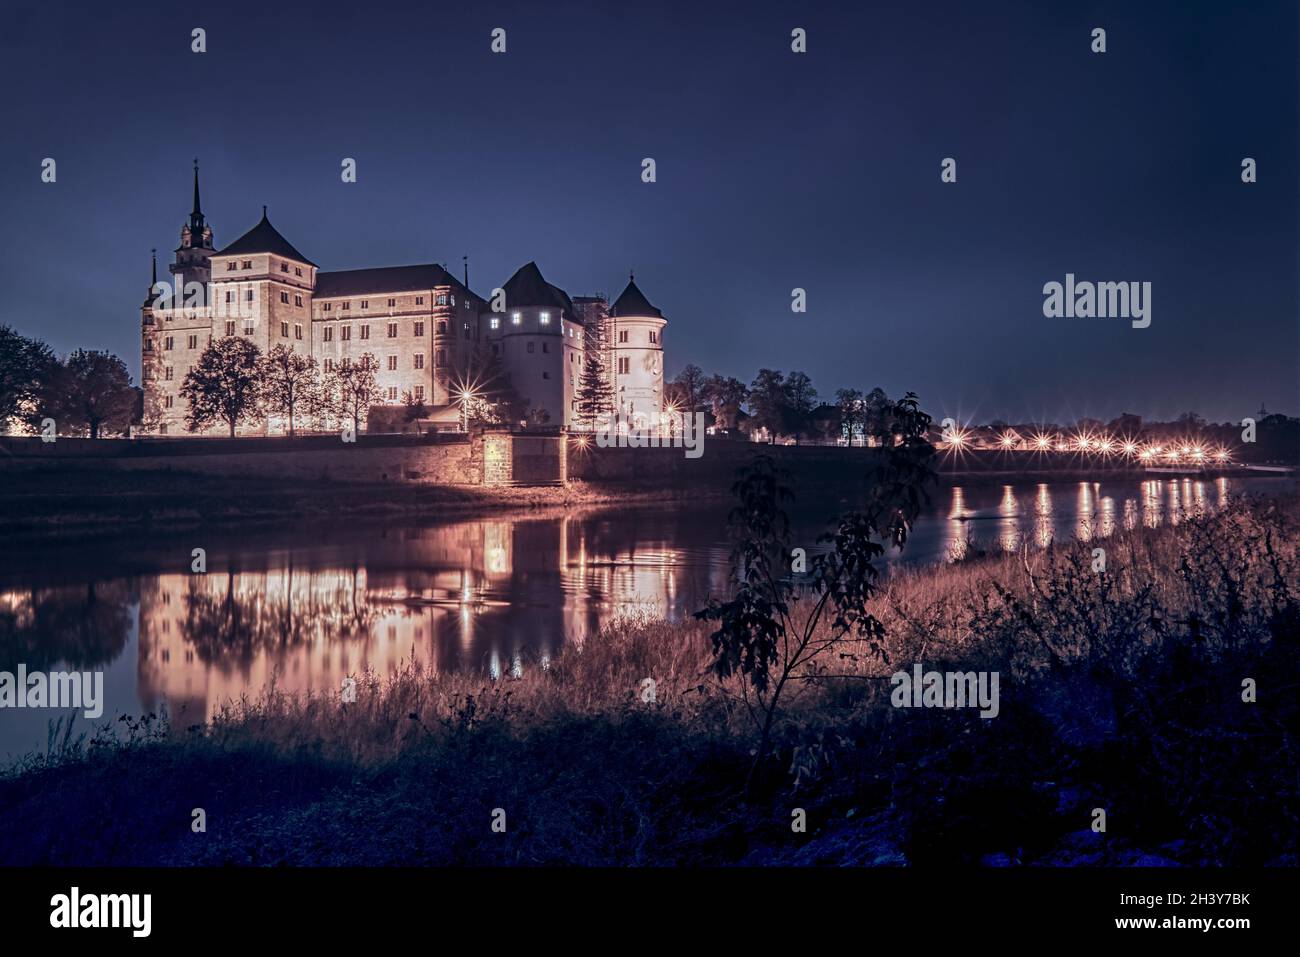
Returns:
(538, 340)
(193, 254)
(636, 343)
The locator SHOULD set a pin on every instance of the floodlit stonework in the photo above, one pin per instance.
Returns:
(420, 322)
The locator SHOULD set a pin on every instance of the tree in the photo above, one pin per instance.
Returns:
(760, 635)
(24, 365)
(287, 377)
(689, 386)
(876, 420)
(595, 394)
(91, 389)
(725, 396)
(224, 385)
(800, 400)
(354, 385)
(852, 406)
(768, 402)
(483, 390)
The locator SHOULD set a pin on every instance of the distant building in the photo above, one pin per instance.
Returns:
(421, 323)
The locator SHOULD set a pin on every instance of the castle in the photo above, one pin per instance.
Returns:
(420, 323)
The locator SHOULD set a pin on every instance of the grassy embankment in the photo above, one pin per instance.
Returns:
(1120, 691)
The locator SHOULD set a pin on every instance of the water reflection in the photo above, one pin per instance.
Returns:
(496, 597)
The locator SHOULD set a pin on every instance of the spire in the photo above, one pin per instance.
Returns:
(154, 281)
(198, 210)
(465, 260)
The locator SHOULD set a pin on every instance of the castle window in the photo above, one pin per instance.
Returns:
(284, 267)
(297, 330)
(530, 346)
(419, 328)
(248, 327)
(494, 323)
(231, 266)
(546, 375)
(418, 359)
(247, 264)
(365, 331)
(230, 327)
(515, 318)
(297, 270)
(347, 305)
(392, 363)
(419, 393)
(654, 337)
(345, 333)
(392, 330)
(284, 330)
(419, 300)
(192, 342)
(284, 298)
(546, 347)
(442, 326)
(297, 300)
(441, 300)
(148, 345)
(440, 358)
(329, 365)
(365, 303)
(624, 365)
(464, 329)
(392, 393)
(230, 295)
(329, 333)
(167, 373)
(392, 303)
(167, 343)
(546, 318)
(167, 402)
(326, 307)
(248, 296)
(622, 335)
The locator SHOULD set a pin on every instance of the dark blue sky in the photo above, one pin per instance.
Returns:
(775, 170)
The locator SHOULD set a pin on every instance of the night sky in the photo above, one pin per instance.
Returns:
(775, 171)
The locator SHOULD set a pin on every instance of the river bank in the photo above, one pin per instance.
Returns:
(1121, 692)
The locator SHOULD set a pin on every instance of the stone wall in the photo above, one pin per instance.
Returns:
(413, 459)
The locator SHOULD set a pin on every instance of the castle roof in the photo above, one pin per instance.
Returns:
(265, 238)
(369, 282)
(632, 302)
(527, 287)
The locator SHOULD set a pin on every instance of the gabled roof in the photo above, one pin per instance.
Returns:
(527, 287)
(370, 282)
(264, 238)
(633, 303)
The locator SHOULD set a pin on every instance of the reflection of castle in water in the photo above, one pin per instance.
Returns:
(491, 597)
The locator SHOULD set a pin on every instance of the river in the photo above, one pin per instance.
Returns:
(496, 595)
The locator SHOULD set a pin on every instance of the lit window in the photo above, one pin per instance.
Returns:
(494, 323)
(515, 318)
(546, 318)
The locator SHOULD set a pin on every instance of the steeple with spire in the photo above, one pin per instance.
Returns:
(192, 255)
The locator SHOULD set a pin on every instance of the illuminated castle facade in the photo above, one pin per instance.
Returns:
(420, 322)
